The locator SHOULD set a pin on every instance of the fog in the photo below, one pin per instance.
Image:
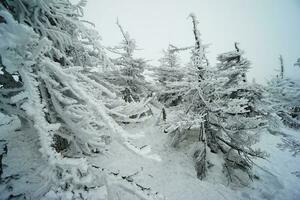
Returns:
(264, 28)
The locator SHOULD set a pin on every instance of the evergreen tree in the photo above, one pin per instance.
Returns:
(238, 112)
(54, 56)
(284, 95)
(169, 67)
(128, 74)
(220, 104)
(126, 78)
(167, 73)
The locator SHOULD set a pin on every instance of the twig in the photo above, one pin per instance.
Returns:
(142, 188)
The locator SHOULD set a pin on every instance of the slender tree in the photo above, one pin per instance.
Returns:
(281, 67)
(128, 75)
(169, 71)
(284, 95)
(220, 104)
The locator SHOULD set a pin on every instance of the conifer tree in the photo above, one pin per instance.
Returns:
(167, 73)
(220, 104)
(54, 56)
(284, 95)
(128, 74)
(238, 109)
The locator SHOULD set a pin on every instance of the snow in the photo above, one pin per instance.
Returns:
(174, 175)
(140, 162)
(167, 171)
(22, 164)
(277, 180)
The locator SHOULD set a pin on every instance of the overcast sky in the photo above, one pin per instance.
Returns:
(264, 28)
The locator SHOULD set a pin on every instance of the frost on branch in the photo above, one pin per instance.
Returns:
(50, 115)
(291, 144)
(52, 56)
(168, 72)
(225, 108)
(284, 99)
(126, 79)
(127, 76)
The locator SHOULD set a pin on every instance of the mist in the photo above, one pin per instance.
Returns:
(264, 29)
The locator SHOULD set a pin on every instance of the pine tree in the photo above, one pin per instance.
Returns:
(167, 73)
(54, 57)
(237, 110)
(169, 65)
(281, 67)
(284, 95)
(128, 77)
(220, 104)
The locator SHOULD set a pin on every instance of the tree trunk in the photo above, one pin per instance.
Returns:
(200, 160)
(200, 154)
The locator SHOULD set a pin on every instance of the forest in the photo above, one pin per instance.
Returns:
(81, 120)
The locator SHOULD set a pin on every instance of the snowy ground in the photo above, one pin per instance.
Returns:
(278, 180)
(164, 171)
(21, 165)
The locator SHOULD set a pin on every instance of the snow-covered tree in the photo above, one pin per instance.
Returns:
(169, 71)
(125, 77)
(281, 67)
(58, 23)
(220, 104)
(297, 62)
(169, 67)
(54, 102)
(49, 57)
(284, 97)
(238, 108)
(128, 74)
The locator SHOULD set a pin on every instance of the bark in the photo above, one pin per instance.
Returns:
(200, 160)
(164, 114)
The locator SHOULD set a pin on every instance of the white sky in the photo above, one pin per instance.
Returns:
(264, 28)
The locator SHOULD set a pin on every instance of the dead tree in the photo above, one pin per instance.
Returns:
(281, 67)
